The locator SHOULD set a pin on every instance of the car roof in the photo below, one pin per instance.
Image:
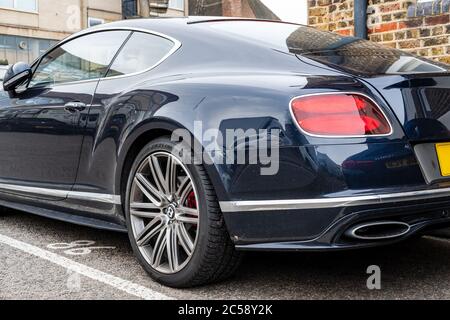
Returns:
(174, 25)
(195, 32)
(210, 19)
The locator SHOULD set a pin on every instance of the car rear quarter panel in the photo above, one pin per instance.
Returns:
(309, 166)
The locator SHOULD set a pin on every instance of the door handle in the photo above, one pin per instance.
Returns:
(75, 106)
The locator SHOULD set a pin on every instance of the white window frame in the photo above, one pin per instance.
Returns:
(14, 7)
(102, 21)
(171, 6)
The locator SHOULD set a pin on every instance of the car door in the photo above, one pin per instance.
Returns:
(41, 129)
(118, 104)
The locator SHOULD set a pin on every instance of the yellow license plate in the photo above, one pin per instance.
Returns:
(443, 154)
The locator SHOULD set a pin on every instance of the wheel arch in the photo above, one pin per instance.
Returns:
(143, 135)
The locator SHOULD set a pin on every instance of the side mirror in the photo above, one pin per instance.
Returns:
(16, 75)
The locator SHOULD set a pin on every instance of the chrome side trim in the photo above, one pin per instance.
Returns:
(99, 197)
(34, 190)
(276, 205)
(57, 193)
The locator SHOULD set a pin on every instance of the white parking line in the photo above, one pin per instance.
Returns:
(113, 281)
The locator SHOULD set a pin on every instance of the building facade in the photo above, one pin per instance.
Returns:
(29, 27)
(154, 8)
(421, 26)
(231, 8)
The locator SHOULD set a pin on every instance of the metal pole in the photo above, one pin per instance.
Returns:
(360, 18)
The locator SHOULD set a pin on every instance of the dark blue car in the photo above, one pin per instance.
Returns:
(206, 137)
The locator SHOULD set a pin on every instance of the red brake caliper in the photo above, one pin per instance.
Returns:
(191, 201)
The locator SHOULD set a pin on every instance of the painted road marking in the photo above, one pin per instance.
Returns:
(78, 248)
(65, 245)
(106, 278)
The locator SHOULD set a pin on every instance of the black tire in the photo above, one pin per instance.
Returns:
(214, 257)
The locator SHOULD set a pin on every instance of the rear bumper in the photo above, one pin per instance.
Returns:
(270, 205)
(320, 224)
(321, 191)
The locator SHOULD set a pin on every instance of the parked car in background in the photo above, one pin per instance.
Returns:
(362, 143)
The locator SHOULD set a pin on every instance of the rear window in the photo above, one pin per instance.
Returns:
(362, 57)
(273, 34)
(349, 54)
(141, 52)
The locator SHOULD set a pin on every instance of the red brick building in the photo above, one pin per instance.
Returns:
(421, 27)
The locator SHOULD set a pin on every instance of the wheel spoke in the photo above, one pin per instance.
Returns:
(185, 239)
(187, 215)
(148, 190)
(150, 230)
(144, 210)
(158, 175)
(188, 211)
(158, 249)
(172, 248)
(144, 206)
(145, 214)
(184, 189)
(171, 175)
(186, 219)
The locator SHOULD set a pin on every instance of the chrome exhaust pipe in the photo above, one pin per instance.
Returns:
(380, 230)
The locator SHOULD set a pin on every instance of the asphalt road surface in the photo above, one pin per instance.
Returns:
(46, 259)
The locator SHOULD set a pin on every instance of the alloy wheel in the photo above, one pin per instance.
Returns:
(164, 212)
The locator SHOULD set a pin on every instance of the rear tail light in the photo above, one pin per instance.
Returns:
(339, 115)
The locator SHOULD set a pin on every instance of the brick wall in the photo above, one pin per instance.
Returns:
(422, 28)
(329, 15)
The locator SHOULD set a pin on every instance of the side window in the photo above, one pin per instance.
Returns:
(84, 58)
(142, 51)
